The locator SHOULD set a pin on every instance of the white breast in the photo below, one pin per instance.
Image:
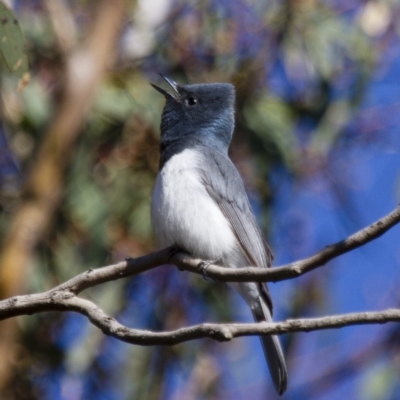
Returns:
(183, 212)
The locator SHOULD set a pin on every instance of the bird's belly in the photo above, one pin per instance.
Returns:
(183, 213)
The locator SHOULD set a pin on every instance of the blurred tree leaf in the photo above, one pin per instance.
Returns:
(378, 383)
(13, 57)
(330, 127)
(272, 121)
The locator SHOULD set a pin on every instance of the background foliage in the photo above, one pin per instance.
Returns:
(316, 142)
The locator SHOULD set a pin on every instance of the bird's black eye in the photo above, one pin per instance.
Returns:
(191, 101)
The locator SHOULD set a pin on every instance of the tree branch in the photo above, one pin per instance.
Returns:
(65, 296)
(297, 268)
(63, 300)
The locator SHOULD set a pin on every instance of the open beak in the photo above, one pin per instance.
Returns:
(171, 83)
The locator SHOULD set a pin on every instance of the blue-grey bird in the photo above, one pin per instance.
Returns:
(199, 202)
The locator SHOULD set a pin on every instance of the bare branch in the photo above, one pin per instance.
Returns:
(297, 268)
(63, 300)
(159, 258)
(64, 297)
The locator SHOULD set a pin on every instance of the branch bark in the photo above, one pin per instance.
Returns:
(297, 268)
(65, 296)
(64, 300)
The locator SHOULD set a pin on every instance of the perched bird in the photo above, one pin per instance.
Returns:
(199, 202)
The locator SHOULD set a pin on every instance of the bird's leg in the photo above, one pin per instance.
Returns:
(172, 252)
(203, 265)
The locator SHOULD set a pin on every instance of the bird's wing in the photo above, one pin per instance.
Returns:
(225, 186)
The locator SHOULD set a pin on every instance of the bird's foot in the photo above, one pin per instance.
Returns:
(172, 252)
(203, 265)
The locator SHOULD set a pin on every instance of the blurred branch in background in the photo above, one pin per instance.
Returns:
(64, 27)
(43, 191)
(84, 66)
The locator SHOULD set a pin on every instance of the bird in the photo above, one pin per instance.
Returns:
(199, 203)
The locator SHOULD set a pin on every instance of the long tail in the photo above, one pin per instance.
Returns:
(272, 349)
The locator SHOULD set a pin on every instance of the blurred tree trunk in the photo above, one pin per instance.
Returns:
(84, 68)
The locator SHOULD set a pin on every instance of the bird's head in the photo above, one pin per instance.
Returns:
(204, 112)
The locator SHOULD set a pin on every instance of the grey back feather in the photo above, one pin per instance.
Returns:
(225, 186)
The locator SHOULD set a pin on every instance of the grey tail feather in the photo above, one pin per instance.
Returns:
(272, 351)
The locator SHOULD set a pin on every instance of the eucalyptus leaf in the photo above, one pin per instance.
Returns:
(13, 58)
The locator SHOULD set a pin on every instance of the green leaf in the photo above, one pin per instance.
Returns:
(13, 58)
